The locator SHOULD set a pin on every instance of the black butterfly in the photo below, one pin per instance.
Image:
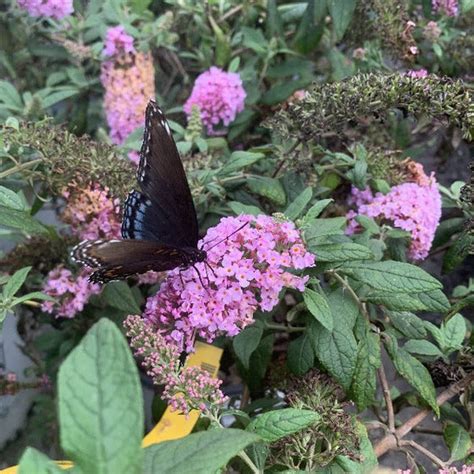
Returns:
(159, 225)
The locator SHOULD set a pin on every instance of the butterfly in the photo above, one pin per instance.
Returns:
(159, 224)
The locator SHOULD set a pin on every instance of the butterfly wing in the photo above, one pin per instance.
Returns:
(119, 259)
(164, 210)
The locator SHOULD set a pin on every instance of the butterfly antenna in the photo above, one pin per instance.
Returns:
(227, 236)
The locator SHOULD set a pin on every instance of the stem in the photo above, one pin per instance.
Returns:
(391, 441)
(230, 12)
(388, 398)
(20, 167)
(243, 455)
(435, 459)
(32, 303)
(282, 327)
(352, 293)
(282, 161)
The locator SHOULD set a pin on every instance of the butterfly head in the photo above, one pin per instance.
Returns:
(197, 255)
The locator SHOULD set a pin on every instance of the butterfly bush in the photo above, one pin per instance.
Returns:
(446, 7)
(414, 207)
(72, 292)
(185, 388)
(92, 213)
(219, 95)
(118, 42)
(128, 78)
(244, 273)
(56, 9)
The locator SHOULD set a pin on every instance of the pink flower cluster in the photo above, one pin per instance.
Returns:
(412, 207)
(446, 7)
(129, 83)
(56, 9)
(219, 95)
(417, 73)
(73, 292)
(118, 42)
(247, 258)
(185, 388)
(92, 213)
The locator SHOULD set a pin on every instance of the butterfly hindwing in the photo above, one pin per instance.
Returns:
(172, 218)
(119, 259)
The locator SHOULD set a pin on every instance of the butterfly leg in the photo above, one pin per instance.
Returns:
(201, 280)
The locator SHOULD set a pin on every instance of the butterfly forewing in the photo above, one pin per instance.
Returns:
(163, 181)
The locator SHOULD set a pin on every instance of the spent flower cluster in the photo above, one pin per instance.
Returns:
(219, 95)
(247, 266)
(56, 9)
(414, 207)
(72, 292)
(185, 388)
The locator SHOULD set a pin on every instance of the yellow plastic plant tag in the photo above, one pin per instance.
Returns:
(172, 425)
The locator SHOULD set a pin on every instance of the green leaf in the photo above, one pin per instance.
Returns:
(341, 65)
(458, 440)
(35, 462)
(318, 306)
(314, 211)
(20, 220)
(454, 332)
(422, 347)
(300, 355)
(341, 13)
(446, 230)
(273, 24)
(341, 303)
(269, 188)
(239, 208)
(467, 5)
(199, 453)
(10, 97)
(392, 277)
(336, 350)
(434, 300)
(368, 224)
(294, 210)
(10, 199)
(308, 33)
(342, 252)
(255, 40)
(246, 342)
(15, 282)
(409, 324)
(139, 6)
(458, 251)
(59, 96)
(414, 372)
(364, 381)
(120, 296)
(369, 458)
(239, 160)
(322, 228)
(277, 424)
(100, 403)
